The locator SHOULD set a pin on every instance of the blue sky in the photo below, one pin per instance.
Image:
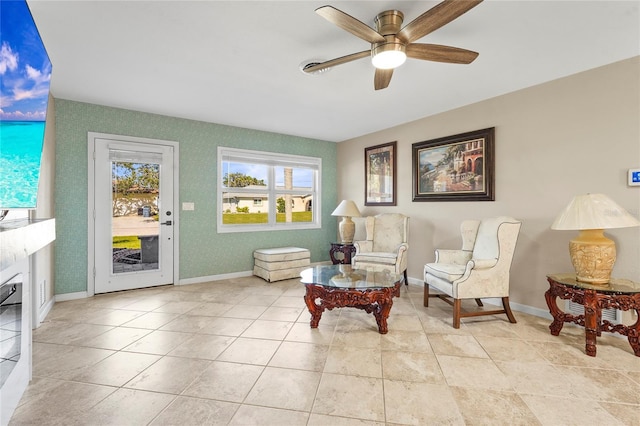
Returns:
(25, 69)
(432, 155)
(302, 178)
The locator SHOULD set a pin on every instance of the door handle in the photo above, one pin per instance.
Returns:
(167, 223)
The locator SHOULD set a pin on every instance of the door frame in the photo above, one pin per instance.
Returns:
(91, 143)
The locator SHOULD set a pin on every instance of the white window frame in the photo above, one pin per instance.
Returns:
(271, 160)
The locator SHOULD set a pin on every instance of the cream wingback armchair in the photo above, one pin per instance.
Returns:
(479, 270)
(386, 244)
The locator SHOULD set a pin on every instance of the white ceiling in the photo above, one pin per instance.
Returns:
(237, 62)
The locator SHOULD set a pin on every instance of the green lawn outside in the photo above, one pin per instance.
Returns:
(243, 218)
(127, 242)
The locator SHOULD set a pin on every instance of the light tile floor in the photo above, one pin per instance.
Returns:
(241, 352)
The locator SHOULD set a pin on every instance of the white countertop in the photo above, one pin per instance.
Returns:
(20, 238)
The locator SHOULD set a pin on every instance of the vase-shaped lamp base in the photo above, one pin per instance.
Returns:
(593, 256)
(347, 230)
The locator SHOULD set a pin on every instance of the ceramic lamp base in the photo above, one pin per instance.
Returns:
(593, 256)
(347, 230)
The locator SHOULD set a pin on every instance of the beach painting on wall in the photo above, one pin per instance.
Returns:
(25, 75)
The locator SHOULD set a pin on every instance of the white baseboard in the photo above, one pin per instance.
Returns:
(45, 309)
(71, 296)
(198, 280)
(543, 313)
(415, 281)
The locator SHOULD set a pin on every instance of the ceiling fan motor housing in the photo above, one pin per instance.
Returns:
(388, 24)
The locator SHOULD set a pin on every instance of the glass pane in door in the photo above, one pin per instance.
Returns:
(135, 228)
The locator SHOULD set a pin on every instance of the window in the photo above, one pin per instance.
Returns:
(267, 191)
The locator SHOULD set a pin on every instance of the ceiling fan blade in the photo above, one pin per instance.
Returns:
(435, 18)
(438, 53)
(350, 24)
(337, 61)
(382, 78)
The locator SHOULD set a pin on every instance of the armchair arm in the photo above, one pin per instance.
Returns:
(457, 257)
(483, 263)
(363, 246)
(402, 247)
(477, 265)
(402, 258)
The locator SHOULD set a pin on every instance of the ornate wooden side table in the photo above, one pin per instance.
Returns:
(617, 294)
(339, 286)
(347, 250)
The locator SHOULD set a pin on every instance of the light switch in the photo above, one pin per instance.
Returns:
(188, 206)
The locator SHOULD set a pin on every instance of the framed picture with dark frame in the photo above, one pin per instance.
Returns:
(380, 175)
(455, 168)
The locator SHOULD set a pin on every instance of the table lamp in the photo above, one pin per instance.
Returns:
(593, 254)
(347, 209)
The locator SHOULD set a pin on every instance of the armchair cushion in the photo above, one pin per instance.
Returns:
(378, 257)
(446, 271)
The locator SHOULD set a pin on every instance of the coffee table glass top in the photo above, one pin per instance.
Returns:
(344, 276)
(613, 286)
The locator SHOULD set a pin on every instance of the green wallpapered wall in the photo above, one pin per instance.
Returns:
(203, 252)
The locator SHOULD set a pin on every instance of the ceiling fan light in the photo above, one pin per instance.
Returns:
(388, 56)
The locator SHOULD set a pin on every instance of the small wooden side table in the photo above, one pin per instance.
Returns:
(617, 294)
(347, 250)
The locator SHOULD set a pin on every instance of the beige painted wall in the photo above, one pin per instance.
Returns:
(571, 136)
(43, 261)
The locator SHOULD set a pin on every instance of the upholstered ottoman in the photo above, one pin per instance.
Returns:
(282, 263)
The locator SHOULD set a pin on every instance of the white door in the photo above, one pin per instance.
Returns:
(133, 215)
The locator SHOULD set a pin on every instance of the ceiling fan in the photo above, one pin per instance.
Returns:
(390, 45)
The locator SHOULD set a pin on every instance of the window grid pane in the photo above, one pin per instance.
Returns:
(274, 194)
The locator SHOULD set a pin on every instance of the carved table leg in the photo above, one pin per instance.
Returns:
(314, 309)
(591, 325)
(382, 313)
(633, 334)
(556, 313)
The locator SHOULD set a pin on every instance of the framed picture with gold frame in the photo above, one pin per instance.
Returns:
(455, 168)
(380, 175)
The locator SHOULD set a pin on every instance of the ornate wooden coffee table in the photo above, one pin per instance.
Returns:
(339, 286)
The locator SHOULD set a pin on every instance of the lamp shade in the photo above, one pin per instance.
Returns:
(346, 208)
(593, 211)
(592, 253)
